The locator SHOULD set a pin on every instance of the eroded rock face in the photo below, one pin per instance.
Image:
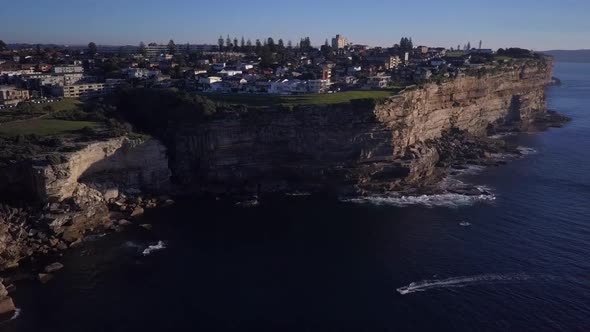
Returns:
(69, 200)
(358, 148)
(115, 162)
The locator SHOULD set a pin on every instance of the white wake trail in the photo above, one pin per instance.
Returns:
(463, 281)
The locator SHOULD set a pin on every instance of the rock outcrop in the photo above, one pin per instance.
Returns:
(70, 198)
(360, 147)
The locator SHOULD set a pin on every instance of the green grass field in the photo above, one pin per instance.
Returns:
(44, 127)
(295, 100)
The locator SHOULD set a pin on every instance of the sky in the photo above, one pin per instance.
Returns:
(532, 24)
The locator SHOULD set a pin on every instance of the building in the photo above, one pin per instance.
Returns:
(387, 61)
(13, 96)
(154, 50)
(68, 69)
(36, 81)
(378, 82)
(339, 42)
(87, 89)
(422, 49)
(318, 86)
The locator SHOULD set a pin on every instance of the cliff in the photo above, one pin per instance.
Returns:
(356, 147)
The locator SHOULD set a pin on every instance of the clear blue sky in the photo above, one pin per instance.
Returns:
(535, 24)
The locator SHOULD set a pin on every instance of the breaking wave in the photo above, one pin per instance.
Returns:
(526, 151)
(437, 200)
(502, 135)
(457, 282)
(15, 315)
(155, 247)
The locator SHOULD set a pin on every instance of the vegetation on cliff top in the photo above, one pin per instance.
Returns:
(300, 100)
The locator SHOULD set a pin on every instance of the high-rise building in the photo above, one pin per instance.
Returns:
(339, 42)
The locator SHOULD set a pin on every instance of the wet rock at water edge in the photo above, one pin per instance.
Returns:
(44, 277)
(146, 226)
(53, 267)
(6, 305)
(138, 211)
(124, 222)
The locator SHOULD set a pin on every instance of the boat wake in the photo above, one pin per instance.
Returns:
(464, 281)
(159, 246)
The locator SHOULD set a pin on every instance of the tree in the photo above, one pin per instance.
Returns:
(142, 49)
(92, 48)
(227, 42)
(3, 46)
(171, 47)
(271, 44)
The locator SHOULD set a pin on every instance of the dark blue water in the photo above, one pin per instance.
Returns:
(315, 264)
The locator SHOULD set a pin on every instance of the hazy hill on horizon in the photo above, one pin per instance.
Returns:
(570, 55)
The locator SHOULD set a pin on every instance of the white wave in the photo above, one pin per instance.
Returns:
(15, 315)
(456, 282)
(298, 193)
(443, 200)
(159, 246)
(248, 203)
(502, 135)
(465, 224)
(469, 170)
(526, 151)
(131, 244)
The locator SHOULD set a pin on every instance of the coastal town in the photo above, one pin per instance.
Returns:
(45, 73)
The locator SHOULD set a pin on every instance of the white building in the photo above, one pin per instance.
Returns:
(339, 42)
(68, 69)
(87, 89)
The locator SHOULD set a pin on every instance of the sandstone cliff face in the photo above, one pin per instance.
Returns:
(353, 147)
(119, 163)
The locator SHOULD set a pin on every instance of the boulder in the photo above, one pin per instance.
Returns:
(6, 305)
(111, 193)
(138, 211)
(10, 288)
(124, 222)
(53, 267)
(44, 277)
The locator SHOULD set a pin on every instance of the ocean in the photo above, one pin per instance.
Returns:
(515, 260)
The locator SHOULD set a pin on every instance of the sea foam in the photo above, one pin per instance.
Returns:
(437, 200)
(457, 282)
(155, 247)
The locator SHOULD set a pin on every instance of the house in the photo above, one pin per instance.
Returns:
(229, 73)
(378, 82)
(422, 74)
(437, 62)
(13, 96)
